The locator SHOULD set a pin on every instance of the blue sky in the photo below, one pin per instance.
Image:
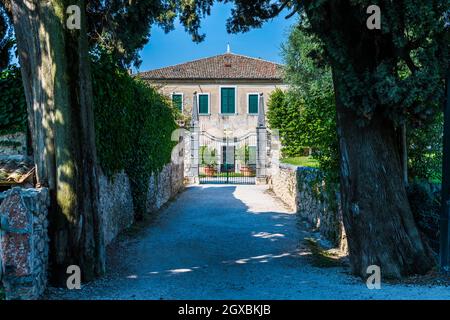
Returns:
(177, 46)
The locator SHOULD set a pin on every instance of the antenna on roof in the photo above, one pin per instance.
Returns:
(228, 48)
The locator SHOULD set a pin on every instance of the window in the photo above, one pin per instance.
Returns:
(253, 103)
(177, 101)
(203, 103)
(227, 100)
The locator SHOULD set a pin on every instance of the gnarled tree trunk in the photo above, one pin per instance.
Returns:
(377, 217)
(56, 76)
(378, 220)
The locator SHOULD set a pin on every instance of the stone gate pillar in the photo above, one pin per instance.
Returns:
(195, 141)
(261, 144)
(24, 242)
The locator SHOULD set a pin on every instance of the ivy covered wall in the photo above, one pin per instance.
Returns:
(133, 125)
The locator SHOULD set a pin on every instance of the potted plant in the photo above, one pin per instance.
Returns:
(244, 156)
(208, 160)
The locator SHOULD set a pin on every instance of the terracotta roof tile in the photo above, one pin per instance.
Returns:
(224, 66)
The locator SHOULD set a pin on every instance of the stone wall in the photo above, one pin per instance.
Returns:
(23, 229)
(305, 192)
(283, 183)
(116, 205)
(24, 242)
(116, 200)
(13, 144)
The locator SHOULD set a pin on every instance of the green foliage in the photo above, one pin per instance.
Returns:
(284, 114)
(208, 156)
(243, 154)
(398, 70)
(13, 109)
(312, 90)
(133, 125)
(302, 161)
(425, 151)
(425, 201)
(122, 28)
(6, 143)
(305, 115)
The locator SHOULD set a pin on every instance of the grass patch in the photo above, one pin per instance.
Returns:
(302, 162)
(322, 258)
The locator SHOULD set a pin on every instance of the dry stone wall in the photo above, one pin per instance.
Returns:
(13, 144)
(116, 201)
(304, 191)
(23, 230)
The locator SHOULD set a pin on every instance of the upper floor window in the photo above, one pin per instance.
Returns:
(177, 101)
(253, 103)
(228, 100)
(203, 103)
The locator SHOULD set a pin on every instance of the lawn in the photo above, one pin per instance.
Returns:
(301, 161)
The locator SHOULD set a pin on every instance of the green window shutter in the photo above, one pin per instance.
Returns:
(223, 101)
(177, 100)
(203, 104)
(227, 100)
(253, 103)
(231, 100)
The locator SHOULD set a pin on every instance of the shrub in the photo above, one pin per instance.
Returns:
(306, 115)
(425, 150)
(425, 201)
(284, 114)
(13, 108)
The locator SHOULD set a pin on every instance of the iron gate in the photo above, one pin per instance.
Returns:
(227, 159)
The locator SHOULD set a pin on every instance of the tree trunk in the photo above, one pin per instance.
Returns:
(56, 77)
(377, 217)
(404, 153)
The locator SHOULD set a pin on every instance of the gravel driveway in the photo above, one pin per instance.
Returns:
(227, 242)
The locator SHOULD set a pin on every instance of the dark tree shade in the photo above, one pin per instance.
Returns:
(382, 78)
(6, 38)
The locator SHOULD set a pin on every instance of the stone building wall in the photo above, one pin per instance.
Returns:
(304, 191)
(24, 242)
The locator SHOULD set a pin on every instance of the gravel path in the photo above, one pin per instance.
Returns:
(227, 242)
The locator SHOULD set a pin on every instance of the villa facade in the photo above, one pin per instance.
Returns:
(229, 92)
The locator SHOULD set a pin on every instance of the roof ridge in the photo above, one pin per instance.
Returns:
(217, 55)
(260, 59)
(182, 63)
(213, 67)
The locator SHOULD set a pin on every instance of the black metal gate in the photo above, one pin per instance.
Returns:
(227, 160)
